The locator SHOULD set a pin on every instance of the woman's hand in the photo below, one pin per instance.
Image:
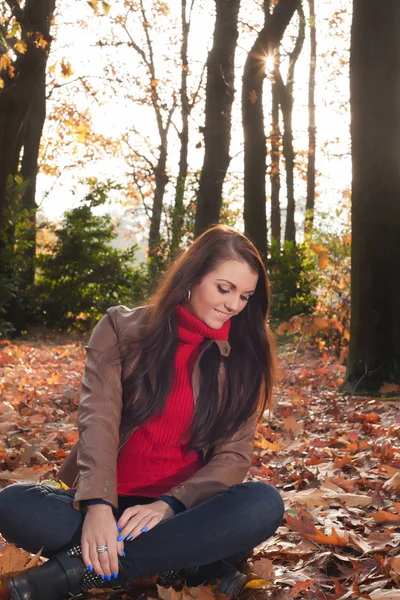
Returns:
(100, 529)
(142, 518)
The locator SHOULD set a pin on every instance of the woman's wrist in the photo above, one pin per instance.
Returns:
(99, 508)
(166, 508)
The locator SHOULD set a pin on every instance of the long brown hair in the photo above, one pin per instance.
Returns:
(249, 369)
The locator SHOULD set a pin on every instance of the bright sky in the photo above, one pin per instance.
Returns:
(116, 114)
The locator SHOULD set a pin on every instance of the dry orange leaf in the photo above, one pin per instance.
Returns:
(389, 388)
(385, 517)
(318, 249)
(26, 473)
(266, 445)
(13, 559)
(264, 568)
(308, 530)
(395, 565)
(291, 424)
(300, 586)
(257, 584)
(34, 560)
(323, 261)
(168, 593)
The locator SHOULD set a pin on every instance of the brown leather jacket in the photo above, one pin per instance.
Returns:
(91, 465)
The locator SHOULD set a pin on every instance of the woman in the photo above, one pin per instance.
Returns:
(166, 421)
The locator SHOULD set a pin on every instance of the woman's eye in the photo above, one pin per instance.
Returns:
(245, 298)
(222, 290)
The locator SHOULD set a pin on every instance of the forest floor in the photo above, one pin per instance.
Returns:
(335, 459)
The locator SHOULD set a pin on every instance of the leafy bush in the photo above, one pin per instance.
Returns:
(329, 324)
(80, 274)
(293, 280)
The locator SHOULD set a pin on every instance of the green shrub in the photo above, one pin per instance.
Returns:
(80, 274)
(293, 276)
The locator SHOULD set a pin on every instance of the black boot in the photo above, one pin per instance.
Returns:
(62, 576)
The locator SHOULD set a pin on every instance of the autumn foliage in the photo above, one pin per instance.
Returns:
(335, 460)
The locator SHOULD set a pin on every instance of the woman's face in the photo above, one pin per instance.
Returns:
(222, 293)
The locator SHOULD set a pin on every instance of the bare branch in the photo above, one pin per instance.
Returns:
(147, 210)
(197, 92)
(60, 85)
(148, 40)
(136, 47)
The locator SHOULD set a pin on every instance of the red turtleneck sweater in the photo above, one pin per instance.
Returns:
(153, 460)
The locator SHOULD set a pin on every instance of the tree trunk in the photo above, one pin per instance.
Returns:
(287, 111)
(275, 166)
(311, 123)
(253, 123)
(29, 167)
(374, 355)
(219, 98)
(161, 181)
(17, 96)
(276, 137)
(178, 212)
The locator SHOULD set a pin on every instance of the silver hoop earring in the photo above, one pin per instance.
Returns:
(188, 295)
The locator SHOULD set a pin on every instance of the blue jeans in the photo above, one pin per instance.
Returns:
(226, 527)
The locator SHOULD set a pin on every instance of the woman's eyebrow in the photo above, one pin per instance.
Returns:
(234, 286)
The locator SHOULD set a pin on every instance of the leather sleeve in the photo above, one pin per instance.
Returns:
(99, 415)
(229, 464)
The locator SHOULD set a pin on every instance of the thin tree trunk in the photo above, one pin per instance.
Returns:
(178, 212)
(311, 123)
(275, 166)
(219, 97)
(253, 123)
(288, 150)
(374, 356)
(276, 137)
(161, 181)
(163, 126)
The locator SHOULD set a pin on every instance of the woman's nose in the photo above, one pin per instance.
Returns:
(232, 305)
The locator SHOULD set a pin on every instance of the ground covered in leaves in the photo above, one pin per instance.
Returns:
(335, 459)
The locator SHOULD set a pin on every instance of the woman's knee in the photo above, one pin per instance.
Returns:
(264, 504)
(10, 503)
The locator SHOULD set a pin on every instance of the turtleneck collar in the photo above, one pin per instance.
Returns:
(193, 331)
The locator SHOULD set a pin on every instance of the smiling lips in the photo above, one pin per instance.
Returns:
(221, 314)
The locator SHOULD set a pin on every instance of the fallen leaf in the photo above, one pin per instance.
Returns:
(168, 593)
(264, 569)
(323, 261)
(257, 584)
(291, 424)
(300, 587)
(389, 388)
(393, 483)
(13, 560)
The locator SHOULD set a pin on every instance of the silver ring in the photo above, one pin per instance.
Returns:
(101, 549)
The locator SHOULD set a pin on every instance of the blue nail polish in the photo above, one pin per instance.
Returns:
(119, 528)
(129, 537)
(123, 553)
(108, 577)
(102, 576)
(115, 575)
(120, 537)
(90, 568)
(145, 528)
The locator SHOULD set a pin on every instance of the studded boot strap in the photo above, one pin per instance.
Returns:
(92, 580)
